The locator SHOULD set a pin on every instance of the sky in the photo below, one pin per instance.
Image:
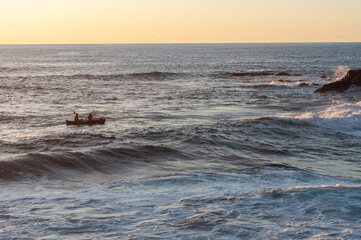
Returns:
(178, 21)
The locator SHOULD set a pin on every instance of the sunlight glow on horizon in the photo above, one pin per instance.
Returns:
(186, 21)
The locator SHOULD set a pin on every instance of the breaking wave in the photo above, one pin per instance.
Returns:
(340, 116)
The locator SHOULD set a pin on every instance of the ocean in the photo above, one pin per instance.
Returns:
(201, 141)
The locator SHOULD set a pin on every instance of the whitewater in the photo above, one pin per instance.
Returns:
(201, 141)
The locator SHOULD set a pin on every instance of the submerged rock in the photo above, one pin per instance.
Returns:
(352, 78)
(323, 76)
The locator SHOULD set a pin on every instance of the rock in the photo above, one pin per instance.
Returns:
(283, 74)
(323, 76)
(304, 84)
(265, 73)
(287, 74)
(281, 80)
(315, 84)
(352, 78)
(253, 74)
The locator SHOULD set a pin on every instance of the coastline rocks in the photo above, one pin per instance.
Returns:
(352, 78)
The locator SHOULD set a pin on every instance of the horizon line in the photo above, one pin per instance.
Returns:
(160, 43)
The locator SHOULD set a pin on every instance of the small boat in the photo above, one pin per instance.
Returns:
(86, 122)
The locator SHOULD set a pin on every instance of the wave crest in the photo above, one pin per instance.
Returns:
(61, 166)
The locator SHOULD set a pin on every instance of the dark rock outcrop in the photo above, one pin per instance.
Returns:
(352, 78)
(265, 73)
(283, 74)
(253, 74)
(287, 74)
(304, 84)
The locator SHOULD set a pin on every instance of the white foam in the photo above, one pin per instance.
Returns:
(288, 84)
(343, 117)
(295, 81)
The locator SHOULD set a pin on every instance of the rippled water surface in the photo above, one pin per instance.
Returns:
(201, 141)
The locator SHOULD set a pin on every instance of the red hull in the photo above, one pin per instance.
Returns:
(86, 122)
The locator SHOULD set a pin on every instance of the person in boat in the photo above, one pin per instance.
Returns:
(76, 117)
(90, 117)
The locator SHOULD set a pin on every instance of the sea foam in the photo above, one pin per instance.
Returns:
(340, 116)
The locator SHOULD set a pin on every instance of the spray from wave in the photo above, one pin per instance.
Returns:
(340, 72)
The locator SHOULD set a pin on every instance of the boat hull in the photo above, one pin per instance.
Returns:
(86, 122)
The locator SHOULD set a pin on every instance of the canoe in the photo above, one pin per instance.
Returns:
(86, 122)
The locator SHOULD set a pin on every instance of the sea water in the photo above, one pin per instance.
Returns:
(201, 141)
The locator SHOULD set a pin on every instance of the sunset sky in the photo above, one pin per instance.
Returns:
(178, 21)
